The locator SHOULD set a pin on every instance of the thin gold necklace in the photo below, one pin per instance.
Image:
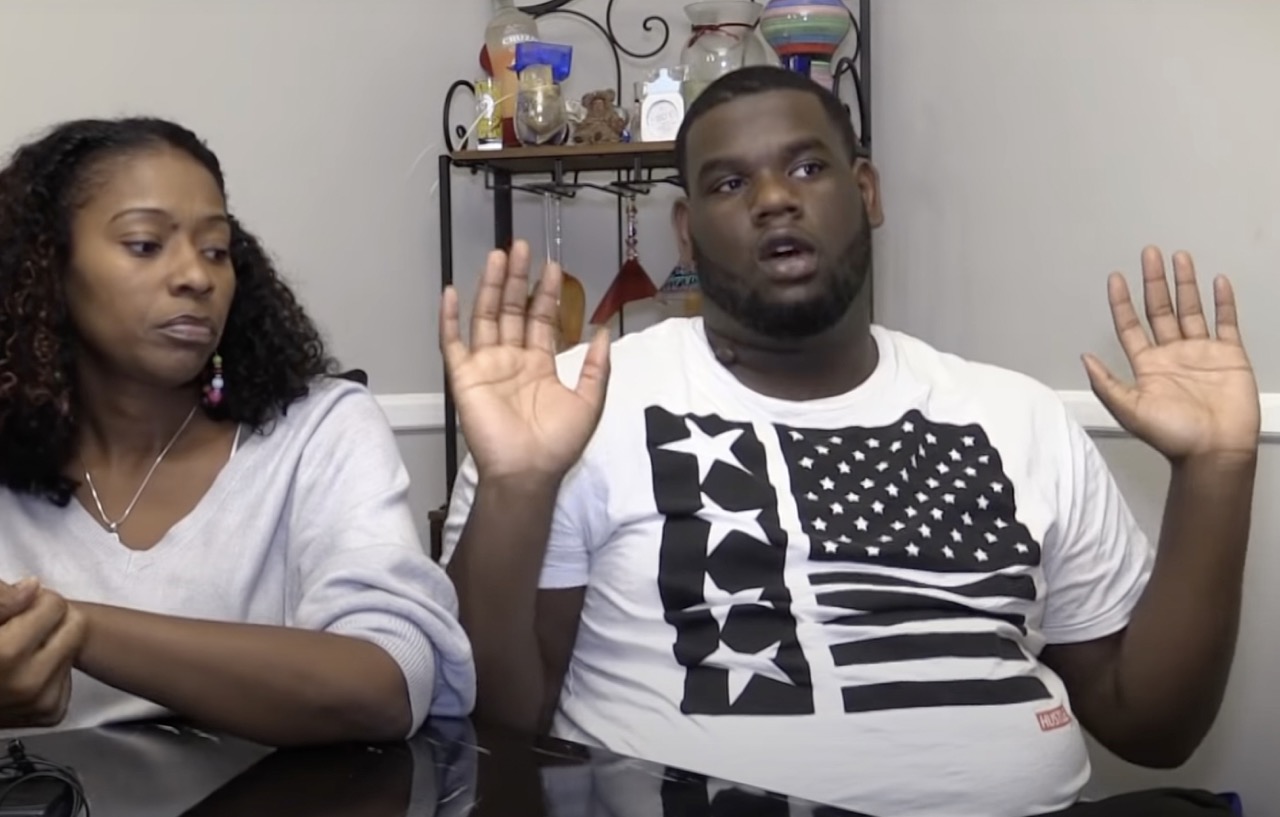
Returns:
(114, 527)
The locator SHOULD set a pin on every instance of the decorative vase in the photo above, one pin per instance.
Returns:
(723, 39)
(805, 34)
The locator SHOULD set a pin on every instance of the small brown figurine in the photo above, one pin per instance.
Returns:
(602, 123)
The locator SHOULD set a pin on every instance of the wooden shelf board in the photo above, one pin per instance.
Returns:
(571, 158)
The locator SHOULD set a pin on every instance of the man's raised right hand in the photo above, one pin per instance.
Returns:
(519, 420)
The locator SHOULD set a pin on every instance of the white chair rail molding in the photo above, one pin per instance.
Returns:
(425, 412)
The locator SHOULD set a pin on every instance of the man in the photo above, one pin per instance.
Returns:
(814, 555)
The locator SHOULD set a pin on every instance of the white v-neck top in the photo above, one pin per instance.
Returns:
(308, 525)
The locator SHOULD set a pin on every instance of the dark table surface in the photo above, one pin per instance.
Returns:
(450, 769)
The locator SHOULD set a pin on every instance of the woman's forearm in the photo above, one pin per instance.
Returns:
(274, 685)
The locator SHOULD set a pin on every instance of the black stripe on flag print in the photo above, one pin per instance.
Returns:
(1017, 689)
(1013, 587)
(886, 608)
(923, 646)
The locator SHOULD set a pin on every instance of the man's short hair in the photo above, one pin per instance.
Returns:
(759, 79)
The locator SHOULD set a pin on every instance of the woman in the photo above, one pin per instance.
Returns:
(194, 518)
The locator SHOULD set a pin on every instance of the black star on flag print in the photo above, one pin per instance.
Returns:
(927, 504)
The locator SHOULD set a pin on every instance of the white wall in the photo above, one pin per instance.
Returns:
(1030, 148)
(1024, 146)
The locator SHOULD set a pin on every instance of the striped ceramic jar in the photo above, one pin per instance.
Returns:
(806, 34)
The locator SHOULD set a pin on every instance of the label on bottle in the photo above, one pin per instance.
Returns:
(488, 120)
(512, 38)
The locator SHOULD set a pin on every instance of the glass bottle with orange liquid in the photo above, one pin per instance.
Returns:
(508, 27)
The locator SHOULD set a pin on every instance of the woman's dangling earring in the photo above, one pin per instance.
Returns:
(213, 391)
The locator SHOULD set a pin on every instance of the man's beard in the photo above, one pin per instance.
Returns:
(790, 321)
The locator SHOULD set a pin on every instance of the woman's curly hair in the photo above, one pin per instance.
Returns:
(271, 351)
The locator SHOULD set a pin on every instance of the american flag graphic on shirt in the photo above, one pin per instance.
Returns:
(911, 532)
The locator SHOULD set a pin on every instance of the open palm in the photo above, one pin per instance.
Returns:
(517, 416)
(1193, 393)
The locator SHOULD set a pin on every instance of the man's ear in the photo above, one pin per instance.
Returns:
(680, 221)
(868, 180)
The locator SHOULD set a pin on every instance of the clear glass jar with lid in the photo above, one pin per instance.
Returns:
(723, 39)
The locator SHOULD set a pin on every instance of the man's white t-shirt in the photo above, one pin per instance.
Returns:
(839, 599)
